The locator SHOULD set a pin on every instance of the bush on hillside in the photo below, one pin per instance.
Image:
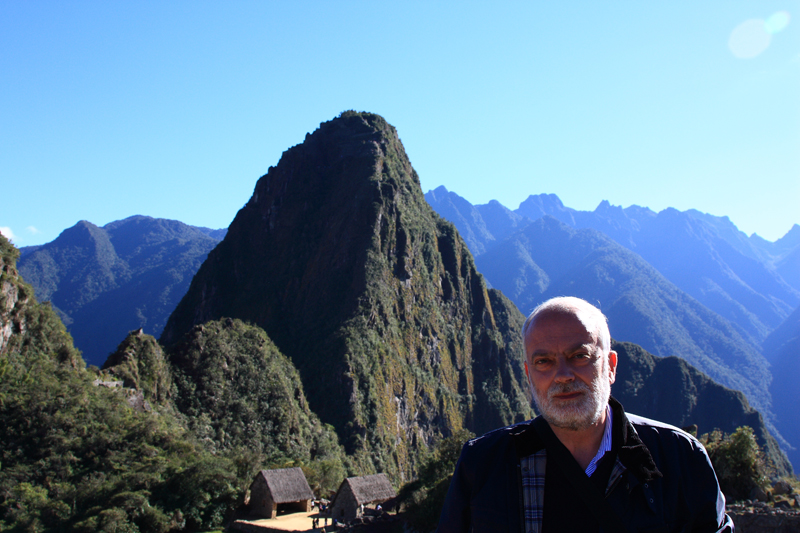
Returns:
(423, 498)
(738, 461)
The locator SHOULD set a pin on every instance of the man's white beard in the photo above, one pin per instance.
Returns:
(580, 413)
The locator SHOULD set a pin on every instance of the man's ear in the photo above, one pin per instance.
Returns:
(527, 374)
(612, 366)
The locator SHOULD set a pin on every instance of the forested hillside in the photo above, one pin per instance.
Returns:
(80, 453)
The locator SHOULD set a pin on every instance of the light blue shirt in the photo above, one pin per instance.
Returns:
(605, 444)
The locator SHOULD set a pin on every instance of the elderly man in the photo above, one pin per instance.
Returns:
(583, 464)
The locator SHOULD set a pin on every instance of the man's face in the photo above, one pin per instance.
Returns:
(570, 376)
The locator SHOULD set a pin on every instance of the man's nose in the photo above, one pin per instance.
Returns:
(564, 373)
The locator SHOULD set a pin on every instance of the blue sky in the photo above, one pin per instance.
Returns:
(174, 109)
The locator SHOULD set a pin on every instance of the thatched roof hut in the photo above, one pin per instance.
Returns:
(280, 489)
(357, 491)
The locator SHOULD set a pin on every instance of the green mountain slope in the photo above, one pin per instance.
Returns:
(781, 348)
(671, 390)
(105, 282)
(238, 391)
(76, 456)
(111, 451)
(374, 298)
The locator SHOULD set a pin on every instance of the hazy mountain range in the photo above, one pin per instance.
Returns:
(677, 283)
(106, 281)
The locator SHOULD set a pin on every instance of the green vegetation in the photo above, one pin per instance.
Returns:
(739, 462)
(239, 394)
(76, 456)
(140, 363)
(424, 497)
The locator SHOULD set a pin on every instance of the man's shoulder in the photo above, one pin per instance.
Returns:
(644, 423)
(652, 431)
(499, 437)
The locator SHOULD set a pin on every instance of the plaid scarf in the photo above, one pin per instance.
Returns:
(533, 472)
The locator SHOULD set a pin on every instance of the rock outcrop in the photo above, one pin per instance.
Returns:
(26, 325)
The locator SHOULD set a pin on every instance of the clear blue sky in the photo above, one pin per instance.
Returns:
(174, 109)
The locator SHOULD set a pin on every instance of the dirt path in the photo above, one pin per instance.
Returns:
(287, 522)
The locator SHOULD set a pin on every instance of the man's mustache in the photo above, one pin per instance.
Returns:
(566, 388)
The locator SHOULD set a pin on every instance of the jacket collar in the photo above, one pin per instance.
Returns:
(632, 452)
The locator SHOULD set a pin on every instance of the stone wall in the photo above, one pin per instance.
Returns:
(755, 519)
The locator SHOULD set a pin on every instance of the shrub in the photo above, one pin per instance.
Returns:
(423, 498)
(738, 461)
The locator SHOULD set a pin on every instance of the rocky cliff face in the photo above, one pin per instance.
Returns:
(9, 292)
(25, 325)
(374, 298)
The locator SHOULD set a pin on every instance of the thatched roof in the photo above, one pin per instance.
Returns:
(368, 489)
(286, 485)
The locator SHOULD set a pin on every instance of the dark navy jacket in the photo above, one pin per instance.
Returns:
(668, 483)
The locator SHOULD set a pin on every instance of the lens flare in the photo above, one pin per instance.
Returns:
(777, 22)
(749, 39)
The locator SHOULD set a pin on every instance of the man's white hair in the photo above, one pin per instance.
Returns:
(590, 315)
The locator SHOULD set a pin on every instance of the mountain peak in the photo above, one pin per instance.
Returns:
(605, 207)
(792, 237)
(376, 300)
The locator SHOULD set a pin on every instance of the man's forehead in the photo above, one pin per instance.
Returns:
(549, 317)
(570, 327)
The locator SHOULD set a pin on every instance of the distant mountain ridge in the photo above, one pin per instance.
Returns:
(105, 282)
(705, 256)
(548, 258)
(701, 254)
(719, 267)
